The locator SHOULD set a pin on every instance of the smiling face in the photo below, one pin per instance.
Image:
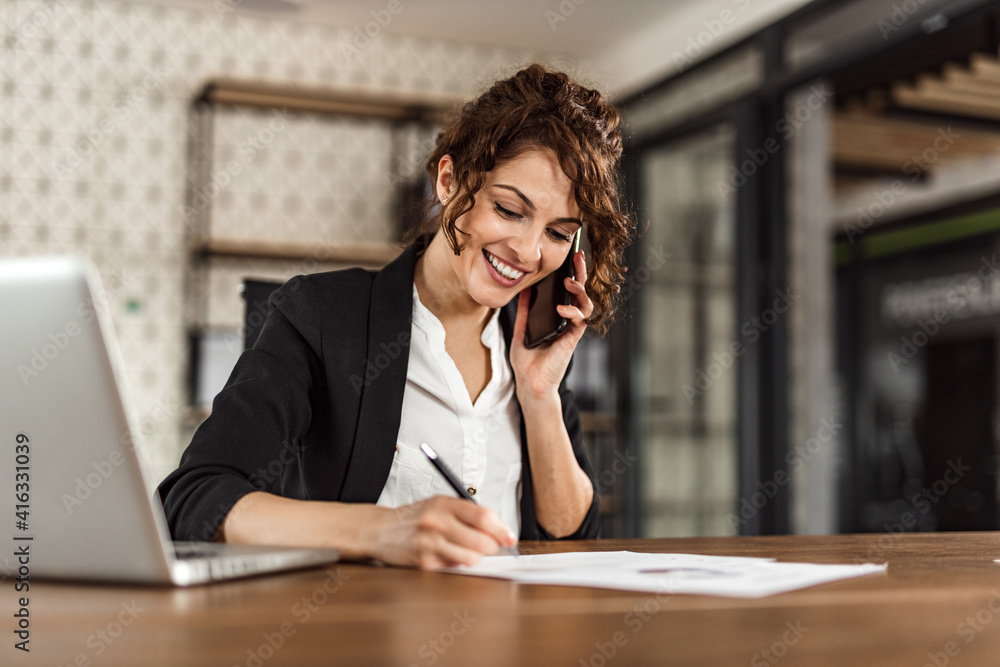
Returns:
(521, 226)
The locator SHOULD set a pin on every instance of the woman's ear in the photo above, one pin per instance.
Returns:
(445, 185)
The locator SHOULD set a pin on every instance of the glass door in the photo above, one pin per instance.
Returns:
(683, 291)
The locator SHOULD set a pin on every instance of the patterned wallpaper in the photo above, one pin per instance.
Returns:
(94, 100)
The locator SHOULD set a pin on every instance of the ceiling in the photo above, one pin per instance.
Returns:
(625, 43)
(584, 27)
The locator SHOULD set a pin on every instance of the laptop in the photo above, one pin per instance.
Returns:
(73, 491)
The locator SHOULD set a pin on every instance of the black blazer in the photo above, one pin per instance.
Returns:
(312, 411)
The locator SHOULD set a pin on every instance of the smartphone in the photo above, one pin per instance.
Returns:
(544, 321)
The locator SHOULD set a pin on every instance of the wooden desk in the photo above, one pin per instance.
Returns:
(941, 594)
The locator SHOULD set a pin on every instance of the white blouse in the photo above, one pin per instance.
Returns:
(481, 443)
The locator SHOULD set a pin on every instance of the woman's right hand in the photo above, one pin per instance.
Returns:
(442, 531)
(437, 532)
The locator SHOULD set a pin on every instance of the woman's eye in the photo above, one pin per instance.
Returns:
(511, 215)
(560, 237)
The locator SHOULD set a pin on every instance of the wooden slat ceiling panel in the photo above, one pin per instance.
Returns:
(869, 136)
(864, 141)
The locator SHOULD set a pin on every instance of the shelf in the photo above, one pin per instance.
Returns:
(194, 415)
(608, 504)
(389, 106)
(367, 253)
(598, 422)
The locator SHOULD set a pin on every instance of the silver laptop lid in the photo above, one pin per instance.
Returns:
(65, 427)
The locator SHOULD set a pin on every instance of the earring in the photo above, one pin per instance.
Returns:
(445, 200)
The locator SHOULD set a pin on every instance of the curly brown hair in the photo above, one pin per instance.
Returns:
(537, 109)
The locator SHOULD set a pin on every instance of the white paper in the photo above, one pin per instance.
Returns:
(668, 574)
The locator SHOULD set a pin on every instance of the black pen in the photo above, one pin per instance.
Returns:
(449, 476)
(446, 471)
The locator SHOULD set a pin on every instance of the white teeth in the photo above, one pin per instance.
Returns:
(503, 268)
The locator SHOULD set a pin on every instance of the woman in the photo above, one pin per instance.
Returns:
(314, 440)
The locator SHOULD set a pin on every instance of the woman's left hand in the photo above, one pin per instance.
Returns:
(539, 371)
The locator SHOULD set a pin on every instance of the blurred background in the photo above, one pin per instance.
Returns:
(809, 341)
